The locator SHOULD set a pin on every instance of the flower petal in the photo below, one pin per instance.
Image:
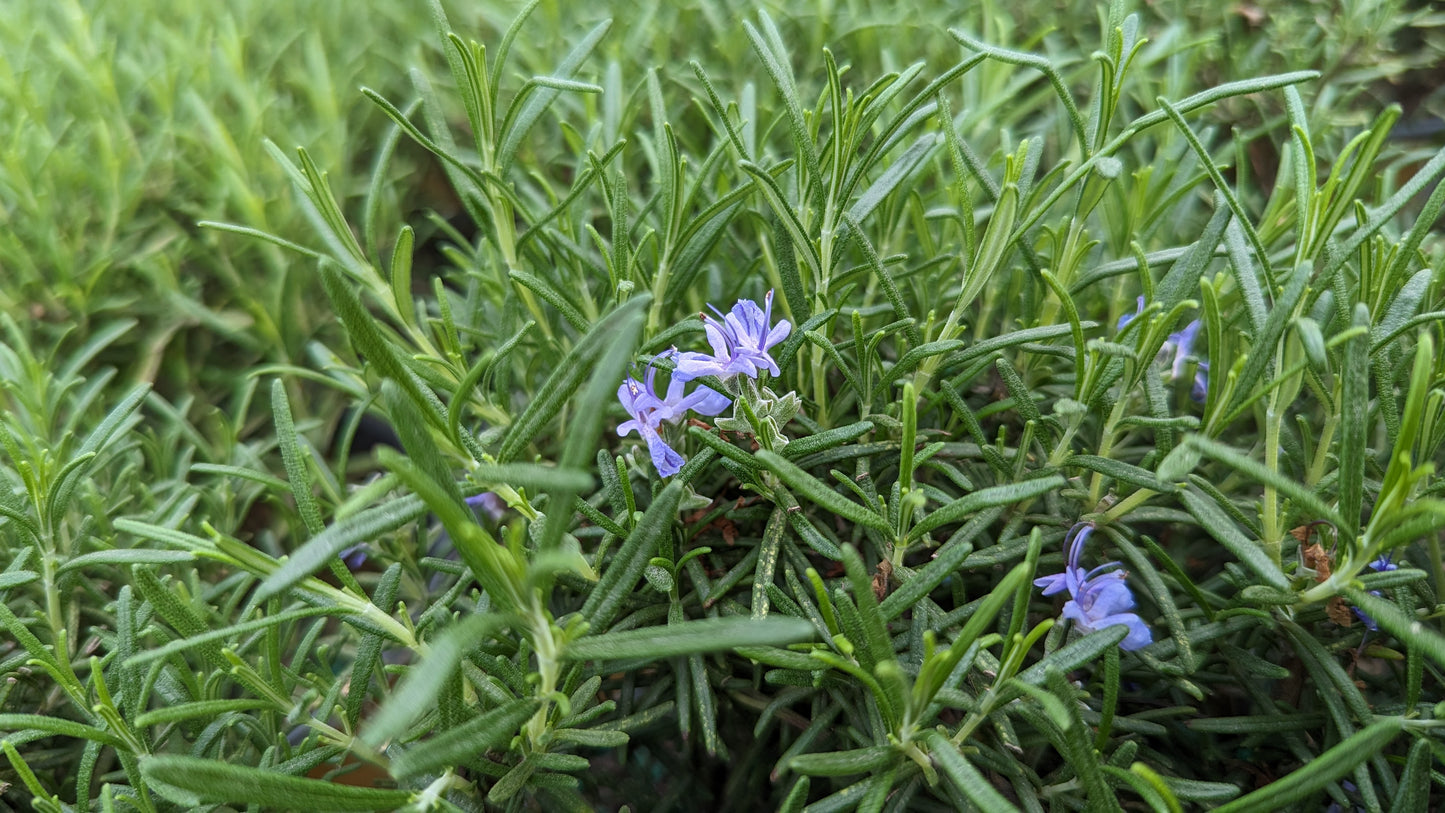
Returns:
(665, 458)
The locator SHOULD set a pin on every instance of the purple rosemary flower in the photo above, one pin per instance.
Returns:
(1181, 344)
(1098, 598)
(1380, 565)
(740, 342)
(1129, 317)
(1176, 350)
(648, 412)
(489, 504)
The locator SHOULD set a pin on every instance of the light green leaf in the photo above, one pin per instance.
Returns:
(419, 689)
(964, 776)
(1219, 525)
(1007, 494)
(492, 730)
(567, 376)
(191, 781)
(619, 577)
(362, 526)
(706, 635)
(1394, 621)
(127, 556)
(845, 763)
(819, 493)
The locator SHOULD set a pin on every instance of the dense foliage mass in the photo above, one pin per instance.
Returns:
(1025, 408)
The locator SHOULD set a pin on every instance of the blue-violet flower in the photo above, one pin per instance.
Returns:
(740, 342)
(648, 412)
(1380, 565)
(1176, 350)
(1098, 598)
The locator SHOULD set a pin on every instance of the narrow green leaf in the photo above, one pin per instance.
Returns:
(1320, 771)
(419, 689)
(767, 564)
(492, 730)
(231, 632)
(1078, 745)
(585, 430)
(972, 784)
(1007, 494)
(519, 122)
(875, 629)
(535, 477)
(496, 568)
(845, 763)
(1355, 422)
(363, 526)
(773, 194)
(946, 561)
(1241, 217)
(995, 343)
(1254, 470)
(199, 709)
(1071, 656)
(591, 738)
(1244, 275)
(266, 479)
(819, 493)
(1387, 211)
(797, 796)
(1414, 793)
(1040, 64)
(620, 577)
(367, 660)
(1262, 347)
(120, 417)
(512, 781)
(1123, 472)
(705, 635)
(127, 556)
(192, 781)
(770, 48)
(554, 297)
(567, 376)
(16, 578)
(59, 726)
(1183, 277)
(827, 439)
(1218, 525)
(1394, 621)
(885, 281)
(294, 460)
(372, 344)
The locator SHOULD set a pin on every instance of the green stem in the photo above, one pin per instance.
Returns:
(1129, 503)
(1106, 445)
(549, 669)
(1270, 509)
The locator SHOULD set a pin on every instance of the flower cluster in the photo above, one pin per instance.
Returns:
(648, 413)
(1176, 350)
(1098, 598)
(740, 342)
